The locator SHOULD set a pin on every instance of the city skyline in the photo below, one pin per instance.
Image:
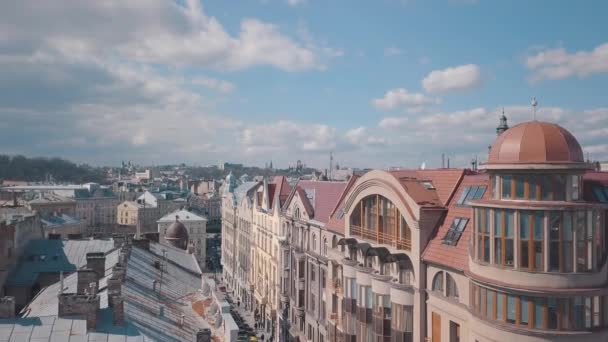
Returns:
(383, 83)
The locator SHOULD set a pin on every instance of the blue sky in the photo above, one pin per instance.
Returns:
(381, 83)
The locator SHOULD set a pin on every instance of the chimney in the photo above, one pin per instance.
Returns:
(203, 335)
(114, 288)
(142, 243)
(96, 261)
(118, 310)
(7, 307)
(72, 304)
(85, 278)
(118, 271)
(119, 240)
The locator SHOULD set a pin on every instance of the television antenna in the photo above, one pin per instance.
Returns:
(534, 105)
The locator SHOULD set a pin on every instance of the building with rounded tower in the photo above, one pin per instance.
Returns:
(537, 256)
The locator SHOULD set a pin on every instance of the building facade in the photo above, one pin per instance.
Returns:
(197, 232)
(516, 250)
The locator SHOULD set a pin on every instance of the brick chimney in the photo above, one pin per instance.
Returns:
(72, 304)
(7, 307)
(114, 288)
(118, 271)
(85, 278)
(119, 240)
(96, 261)
(118, 310)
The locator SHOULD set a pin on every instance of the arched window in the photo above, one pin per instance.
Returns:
(375, 218)
(296, 213)
(452, 288)
(324, 246)
(438, 282)
(334, 242)
(314, 242)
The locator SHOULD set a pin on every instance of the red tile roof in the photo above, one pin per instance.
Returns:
(455, 257)
(592, 179)
(326, 196)
(444, 182)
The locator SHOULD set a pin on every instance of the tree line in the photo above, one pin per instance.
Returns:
(42, 169)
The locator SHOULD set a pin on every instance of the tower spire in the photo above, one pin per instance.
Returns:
(502, 125)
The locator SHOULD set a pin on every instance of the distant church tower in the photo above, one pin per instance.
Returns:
(502, 126)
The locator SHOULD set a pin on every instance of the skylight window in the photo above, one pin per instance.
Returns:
(471, 193)
(601, 193)
(453, 235)
(428, 185)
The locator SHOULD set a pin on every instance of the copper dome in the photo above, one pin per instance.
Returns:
(536, 142)
(177, 235)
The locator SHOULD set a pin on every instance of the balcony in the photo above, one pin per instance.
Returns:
(378, 237)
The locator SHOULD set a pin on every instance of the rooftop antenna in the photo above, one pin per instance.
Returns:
(534, 105)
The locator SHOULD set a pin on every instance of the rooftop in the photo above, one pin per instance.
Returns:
(184, 216)
(54, 256)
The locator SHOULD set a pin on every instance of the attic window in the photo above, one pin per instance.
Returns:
(471, 193)
(428, 185)
(453, 235)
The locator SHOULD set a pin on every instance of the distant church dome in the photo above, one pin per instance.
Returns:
(536, 142)
(177, 235)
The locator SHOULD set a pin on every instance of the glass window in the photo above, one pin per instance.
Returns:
(490, 305)
(539, 229)
(500, 298)
(555, 220)
(575, 188)
(452, 288)
(509, 237)
(538, 313)
(464, 195)
(519, 187)
(532, 187)
(506, 186)
(510, 308)
(524, 236)
(524, 310)
(438, 282)
(552, 316)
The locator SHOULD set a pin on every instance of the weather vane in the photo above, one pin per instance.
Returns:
(534, 105)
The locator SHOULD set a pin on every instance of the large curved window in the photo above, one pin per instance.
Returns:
(535, 187)
(376, 219)
(577, 313)
(568, 241)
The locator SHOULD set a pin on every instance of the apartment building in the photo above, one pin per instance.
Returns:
(514, 250)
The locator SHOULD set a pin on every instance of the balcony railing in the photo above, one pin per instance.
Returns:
(381, 237)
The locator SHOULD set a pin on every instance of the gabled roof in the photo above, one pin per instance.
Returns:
(455, 257)
(319, 197)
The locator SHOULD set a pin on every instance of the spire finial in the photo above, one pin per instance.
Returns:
(534, 105)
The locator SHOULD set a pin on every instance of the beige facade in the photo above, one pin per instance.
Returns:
(197, 232)
(132, 214)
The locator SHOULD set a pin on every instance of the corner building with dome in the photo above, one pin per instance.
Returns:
(514, 250)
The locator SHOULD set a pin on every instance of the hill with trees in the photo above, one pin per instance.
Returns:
(21, 168)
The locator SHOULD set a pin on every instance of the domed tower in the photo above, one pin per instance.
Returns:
(177, 235)
(538, 251)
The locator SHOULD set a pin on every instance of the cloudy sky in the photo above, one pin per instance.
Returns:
(381, 83)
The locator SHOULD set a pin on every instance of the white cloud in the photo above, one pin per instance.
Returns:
(461, 77)
(214, 84)
(155, 31)
(396, 98)
(554, 64)
(392, 51)
(361, 136)
(393, 122)
(287, 135)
